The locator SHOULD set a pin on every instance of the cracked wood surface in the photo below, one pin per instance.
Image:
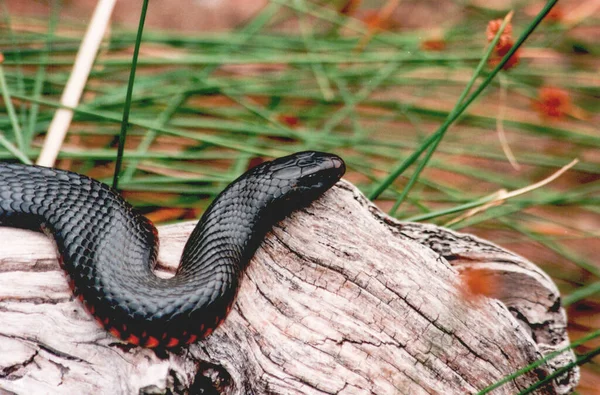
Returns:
(340, 299)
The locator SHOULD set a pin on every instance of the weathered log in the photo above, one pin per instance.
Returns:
(340, 299)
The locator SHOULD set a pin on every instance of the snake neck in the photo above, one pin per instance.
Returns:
(233, 226)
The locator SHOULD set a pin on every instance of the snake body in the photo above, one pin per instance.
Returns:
(108, 250)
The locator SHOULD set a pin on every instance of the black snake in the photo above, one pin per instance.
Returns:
(108, 250)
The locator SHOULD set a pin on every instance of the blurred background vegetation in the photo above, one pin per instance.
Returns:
(222, 85)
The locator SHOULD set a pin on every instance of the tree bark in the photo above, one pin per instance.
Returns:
(339, 299)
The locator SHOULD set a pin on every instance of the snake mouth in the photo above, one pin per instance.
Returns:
(338, 163)
(327, 167)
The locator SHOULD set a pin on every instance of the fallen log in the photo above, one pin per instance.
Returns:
(340, 299)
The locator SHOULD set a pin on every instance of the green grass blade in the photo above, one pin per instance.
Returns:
(125, 122)
(16, 127)
(10, 147)
(539, 362)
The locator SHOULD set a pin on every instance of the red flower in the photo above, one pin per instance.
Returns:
(502, 49)
(494, 26)
(553, 102)
(504, 44)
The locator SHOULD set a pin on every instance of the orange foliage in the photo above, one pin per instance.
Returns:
(168, 214)
(350, 7)
(375, 21)
(555, 15)
(289, 120)
(478, 284)
(433, 44)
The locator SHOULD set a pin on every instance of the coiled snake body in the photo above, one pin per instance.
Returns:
(108, 250)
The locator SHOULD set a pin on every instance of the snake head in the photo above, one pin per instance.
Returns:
(308, 173)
